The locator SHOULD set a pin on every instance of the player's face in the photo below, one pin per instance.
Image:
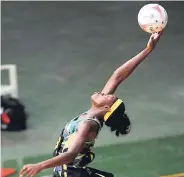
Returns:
(101, 100)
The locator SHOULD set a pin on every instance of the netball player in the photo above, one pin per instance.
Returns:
(73, 150)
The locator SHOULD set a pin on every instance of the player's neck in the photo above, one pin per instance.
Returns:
(95, 112)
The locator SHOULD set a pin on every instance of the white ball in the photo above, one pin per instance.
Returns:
(152, 18)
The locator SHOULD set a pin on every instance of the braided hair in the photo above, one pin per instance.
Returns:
(117, 120)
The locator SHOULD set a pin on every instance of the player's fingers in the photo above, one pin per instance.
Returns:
(25, 167)
(152, 35)
(31, 173)
(151, 38)
(161, 32)
(157, 36)
(25, 170)
(22, 171)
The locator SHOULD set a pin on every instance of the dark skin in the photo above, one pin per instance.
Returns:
(101, 103)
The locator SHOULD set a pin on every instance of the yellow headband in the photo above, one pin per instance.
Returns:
(112, 109)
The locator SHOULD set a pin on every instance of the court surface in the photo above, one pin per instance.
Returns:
(152, 158)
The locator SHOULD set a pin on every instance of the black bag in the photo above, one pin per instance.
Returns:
(13, 115)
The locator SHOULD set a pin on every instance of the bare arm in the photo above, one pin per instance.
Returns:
(74, 148)
(121, 73)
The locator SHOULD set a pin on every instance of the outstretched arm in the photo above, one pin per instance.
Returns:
(121, 73)
(74, 148)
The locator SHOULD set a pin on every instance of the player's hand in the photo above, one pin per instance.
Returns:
(154, 38)
(30, 170)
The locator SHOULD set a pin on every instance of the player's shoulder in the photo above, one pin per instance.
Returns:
(90, 125)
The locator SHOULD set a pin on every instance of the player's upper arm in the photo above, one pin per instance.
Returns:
(81, 136)
(112, 84)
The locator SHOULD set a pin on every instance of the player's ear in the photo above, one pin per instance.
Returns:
(107, 108)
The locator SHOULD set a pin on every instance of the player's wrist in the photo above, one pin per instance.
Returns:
(148, 49)
(42, 165)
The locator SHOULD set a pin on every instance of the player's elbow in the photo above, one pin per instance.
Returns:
(71, 155)
(117, 77)
(122, 73)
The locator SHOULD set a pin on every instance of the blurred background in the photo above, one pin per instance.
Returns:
(65, 51)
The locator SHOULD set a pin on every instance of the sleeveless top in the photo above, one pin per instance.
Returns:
(86, 156)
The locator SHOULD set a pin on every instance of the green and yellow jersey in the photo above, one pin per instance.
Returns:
(86, 156)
